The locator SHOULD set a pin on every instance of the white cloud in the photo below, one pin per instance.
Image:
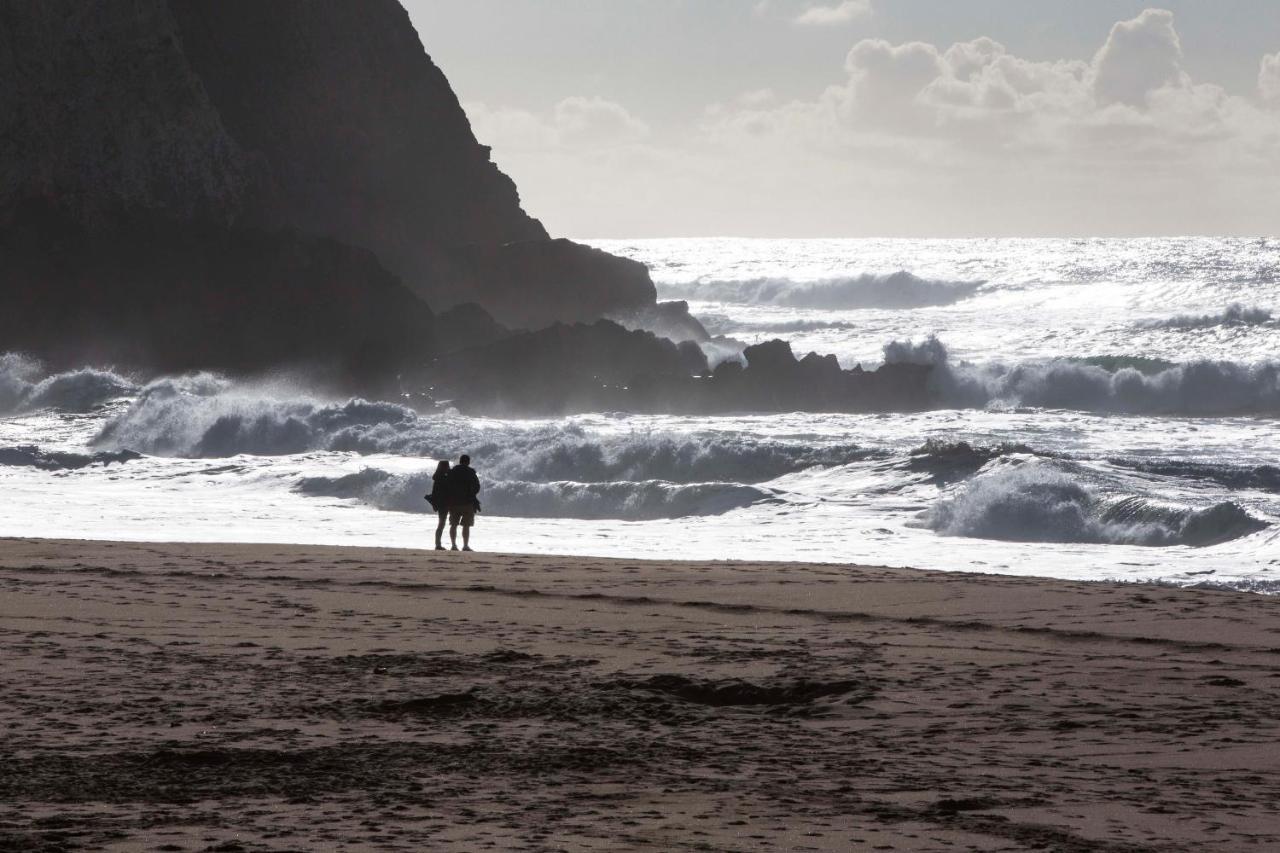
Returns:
(1269, 78)
(1140, 56)
(508, 128)
(757, 98)
(575, 122)
(834, 16)
(918, 138)
(1133, 97)
(885, 82)
(595, 121)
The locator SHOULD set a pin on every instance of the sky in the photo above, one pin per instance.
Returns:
(874, 118)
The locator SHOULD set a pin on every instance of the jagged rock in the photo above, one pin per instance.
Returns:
(604, 367)
(563, 368)
(771, 360)
(667, 319)
(534, 283)
(467, 325)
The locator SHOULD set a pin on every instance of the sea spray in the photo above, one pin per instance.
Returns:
(208, 417)
(25, 386)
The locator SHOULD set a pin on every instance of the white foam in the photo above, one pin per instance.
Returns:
(899, 290)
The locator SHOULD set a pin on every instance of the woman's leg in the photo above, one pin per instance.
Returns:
(444, 516)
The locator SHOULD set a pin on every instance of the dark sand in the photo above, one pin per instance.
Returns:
(214, 697)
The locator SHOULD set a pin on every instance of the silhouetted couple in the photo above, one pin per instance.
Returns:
(455, 496)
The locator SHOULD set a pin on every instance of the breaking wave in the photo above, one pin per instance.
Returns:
(899, 290)
(719, 324)
(1195, 388)
(1263, 478)
(631, 501)
(26, 387)
(207, 417)
(30, 456)
(1030, 501)
(1234, 315)
(948, 462)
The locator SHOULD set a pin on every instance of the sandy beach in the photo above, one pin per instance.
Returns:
(265, 697)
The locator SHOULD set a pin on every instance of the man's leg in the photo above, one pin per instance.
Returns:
(453, 533)
(466, 538)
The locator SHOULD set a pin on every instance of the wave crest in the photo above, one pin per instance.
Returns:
(1198, 388)
(26, 387)
(899, 290)
(204, 417)
(631, 501)
(30, 456)
(1034, 502)
(1234, 314)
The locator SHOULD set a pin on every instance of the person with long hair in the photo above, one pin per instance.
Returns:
(440, 499)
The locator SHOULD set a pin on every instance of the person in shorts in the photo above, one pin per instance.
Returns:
(464, 494)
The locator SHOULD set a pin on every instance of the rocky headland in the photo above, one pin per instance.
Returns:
(245, 186)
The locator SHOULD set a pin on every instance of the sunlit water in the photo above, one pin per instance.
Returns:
(1123, 482)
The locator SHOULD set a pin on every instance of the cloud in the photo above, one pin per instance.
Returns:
(1134, 100)
(885, 81)
(921, 139)
(575, 122)
(1140, 56)
(757, 98)
(1269, 78)
(595, 121)
(834, 16)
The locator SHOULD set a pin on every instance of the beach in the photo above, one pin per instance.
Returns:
(279, 697)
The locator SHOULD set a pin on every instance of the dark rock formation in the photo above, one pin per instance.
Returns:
(775, 380)
(99, 110)
(668, 319)
(358, 132)
(359, 137)
(465, 326)
(533, 283)
(148, 290)
(242, 185)
(605, 367)
(239, 120)
(562, 368)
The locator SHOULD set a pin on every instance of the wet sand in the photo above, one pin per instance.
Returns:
(265, 697)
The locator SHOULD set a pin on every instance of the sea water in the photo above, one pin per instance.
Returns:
(1107, 410)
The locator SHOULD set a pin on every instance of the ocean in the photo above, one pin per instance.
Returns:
(1107, 410)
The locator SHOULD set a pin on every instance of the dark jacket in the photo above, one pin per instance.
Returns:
(441, 495)
(464, 486)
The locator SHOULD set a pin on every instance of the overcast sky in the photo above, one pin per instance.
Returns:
(848, 118)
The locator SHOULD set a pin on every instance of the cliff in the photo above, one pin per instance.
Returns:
(244, 185)
(153, 292)
(100, 110)
(313, 130)
(360, 137)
